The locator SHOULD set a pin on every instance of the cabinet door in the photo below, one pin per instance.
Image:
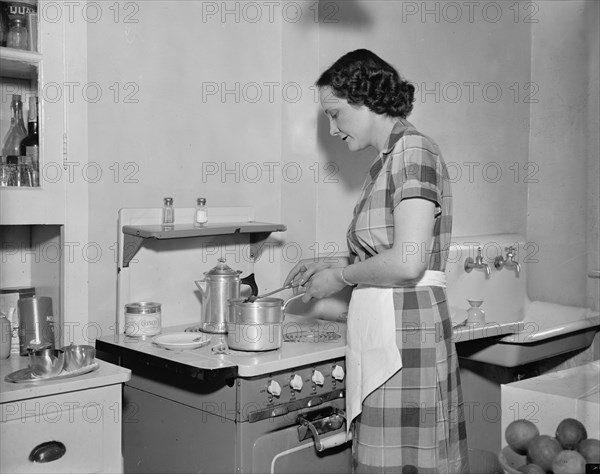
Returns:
(23, 74)
(83, 429)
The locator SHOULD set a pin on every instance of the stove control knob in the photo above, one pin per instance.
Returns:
(274, 388)
(296, 382)
(338, 373)
(317, 378)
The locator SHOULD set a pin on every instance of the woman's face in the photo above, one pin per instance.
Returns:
(352, 123)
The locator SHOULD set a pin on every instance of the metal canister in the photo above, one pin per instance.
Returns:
(36, 323)
(142, 319)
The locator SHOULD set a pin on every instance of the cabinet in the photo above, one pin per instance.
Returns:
(81, 416)
(39, 227)
(31, 73)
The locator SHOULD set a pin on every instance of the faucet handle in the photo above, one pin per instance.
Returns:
(510, 252)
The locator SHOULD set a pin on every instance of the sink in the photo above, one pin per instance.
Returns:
(509, 351)
(547, 329)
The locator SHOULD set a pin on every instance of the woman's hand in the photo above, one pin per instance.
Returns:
(304, 271)
(323, 283)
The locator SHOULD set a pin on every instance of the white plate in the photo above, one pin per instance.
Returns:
(182, 340)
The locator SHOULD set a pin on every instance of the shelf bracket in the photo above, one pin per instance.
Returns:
(256, 241)
(131, 245)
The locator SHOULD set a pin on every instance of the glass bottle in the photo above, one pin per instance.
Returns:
(168, 214)
(17, 34)
(17, 131)
(30, 144)
(201, 214)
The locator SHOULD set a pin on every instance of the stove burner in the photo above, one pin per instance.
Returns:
(321, 336)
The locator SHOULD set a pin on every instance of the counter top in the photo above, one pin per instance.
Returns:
(204, 363)
(106, 374)
(240, 363)
(470, 332)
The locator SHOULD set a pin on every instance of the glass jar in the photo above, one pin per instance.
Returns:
(17, 35)
(475, 315)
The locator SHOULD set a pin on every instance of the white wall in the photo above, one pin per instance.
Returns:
(472, 65)
(563, 202)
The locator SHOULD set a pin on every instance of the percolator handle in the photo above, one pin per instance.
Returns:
(251, 282)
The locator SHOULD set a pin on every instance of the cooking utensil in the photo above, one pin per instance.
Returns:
(78, 356)
(218, 286)
(253, 298)
(255, 326)
(46, 363)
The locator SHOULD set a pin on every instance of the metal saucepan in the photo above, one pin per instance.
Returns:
(256, 325)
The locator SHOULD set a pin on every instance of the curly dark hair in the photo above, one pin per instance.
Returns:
(363, 78)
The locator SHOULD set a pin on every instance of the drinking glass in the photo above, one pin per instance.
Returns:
(8, 175)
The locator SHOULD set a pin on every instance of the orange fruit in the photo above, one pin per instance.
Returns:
(541, 450)
(590, 450)
(531, 469)
(519, 433)
(568, 462)
(570, 432)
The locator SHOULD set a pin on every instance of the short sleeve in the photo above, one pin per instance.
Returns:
(416, 171)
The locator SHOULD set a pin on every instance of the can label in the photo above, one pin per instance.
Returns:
(142, 325)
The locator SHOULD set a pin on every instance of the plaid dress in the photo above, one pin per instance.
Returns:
(414, 422)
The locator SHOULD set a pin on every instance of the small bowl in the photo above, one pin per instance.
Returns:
(46, 363)
(78, 356)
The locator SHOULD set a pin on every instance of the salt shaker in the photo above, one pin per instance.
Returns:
(201, 214)
(168, 214)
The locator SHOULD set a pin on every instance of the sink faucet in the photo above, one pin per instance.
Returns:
(500, 262)
(470, 264)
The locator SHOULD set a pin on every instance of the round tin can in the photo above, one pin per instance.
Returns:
(142, 319)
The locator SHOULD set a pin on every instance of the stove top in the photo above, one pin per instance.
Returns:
(306, 341)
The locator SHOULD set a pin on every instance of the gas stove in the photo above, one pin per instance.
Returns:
(246, 412)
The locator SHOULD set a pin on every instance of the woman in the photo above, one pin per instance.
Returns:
(403, 386)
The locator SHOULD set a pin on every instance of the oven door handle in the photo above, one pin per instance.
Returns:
(331, 420)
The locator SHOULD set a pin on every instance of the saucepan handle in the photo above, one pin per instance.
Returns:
(293, 298)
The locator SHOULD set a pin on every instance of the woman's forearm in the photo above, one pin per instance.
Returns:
(385, 269)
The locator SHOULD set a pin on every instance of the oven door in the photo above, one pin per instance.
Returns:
(282, 445)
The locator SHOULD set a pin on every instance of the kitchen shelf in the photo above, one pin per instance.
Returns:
(134, 236)
(19, 64)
